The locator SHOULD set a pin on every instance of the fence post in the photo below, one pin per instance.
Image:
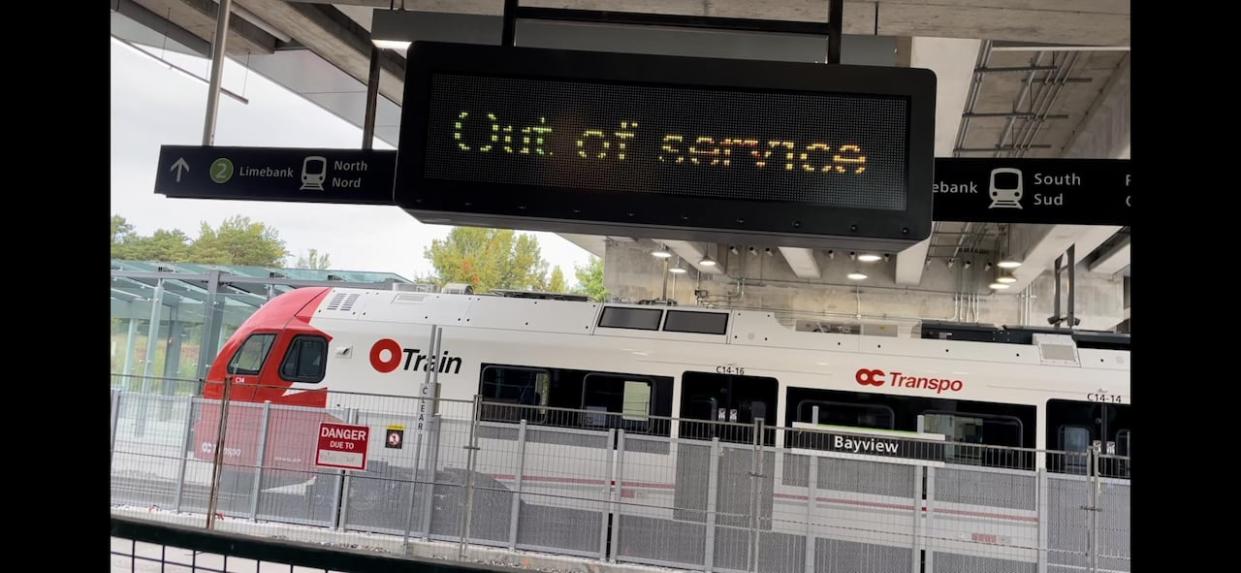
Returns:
(433, 454)
(514, 518)
(756, 472)
(342, 483)
(116, 416)
(917, 531)
(425, 397)
(187, 446)
(930, 516)
(1043, 514)
(713, 479)
(414, 498)
(812, 504)
(1092, 512)
(217, 455)
(609, 487)
(471, 459)
(258, 464)
(619, 471)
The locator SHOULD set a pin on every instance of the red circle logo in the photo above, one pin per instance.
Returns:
(394, 355)
(867, 377)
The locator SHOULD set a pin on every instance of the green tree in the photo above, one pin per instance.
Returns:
(590, 280)
(165, 246)
(121, 230)
(239, 241)
(556, 283)
(313, 260)
(488, 259)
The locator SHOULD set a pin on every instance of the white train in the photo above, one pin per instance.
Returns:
(654, 370)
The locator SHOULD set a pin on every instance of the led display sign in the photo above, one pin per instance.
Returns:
(672, 147)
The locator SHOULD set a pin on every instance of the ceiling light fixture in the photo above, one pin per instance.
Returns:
(396, 29)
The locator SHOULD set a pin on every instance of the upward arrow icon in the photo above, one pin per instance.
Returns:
(180, 167)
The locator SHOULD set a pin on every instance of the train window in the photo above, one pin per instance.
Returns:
(1074, 438)
(616, 395)
(576, 398)
(516, 389)
(975, 428)
(304, 360)
(525, 386)
(250, 357)
(696, 322)
(1074, 441)
(964, 428)
(631, 318)
(637, 403)
(1073, 426)
(1122, 443)
(874, 416)
(990, 423)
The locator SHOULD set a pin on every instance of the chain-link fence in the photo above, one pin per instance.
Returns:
(618, 487)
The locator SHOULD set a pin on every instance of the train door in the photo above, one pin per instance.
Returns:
(738, 400)
(1074, 426)
(733, 398)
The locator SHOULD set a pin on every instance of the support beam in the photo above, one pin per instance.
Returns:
(155, 29)
(1113, 261)
(911, 261)
(218, 42)
(1104, 129)
(691, 253)
(1086, 22)
(593, 244)
(1037, 246)
(953, 61)
(198, 18)
(801, 260)
(213, 321)
(372, 100)
(334, 37)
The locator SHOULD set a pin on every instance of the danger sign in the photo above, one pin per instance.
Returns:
(342, 446)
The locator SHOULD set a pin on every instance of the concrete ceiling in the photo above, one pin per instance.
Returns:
(1073, 103)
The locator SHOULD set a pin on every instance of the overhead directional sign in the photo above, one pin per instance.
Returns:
(276, 174)
(797, 154)
(1049, 191)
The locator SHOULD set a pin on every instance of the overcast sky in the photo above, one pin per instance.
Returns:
(153, 105)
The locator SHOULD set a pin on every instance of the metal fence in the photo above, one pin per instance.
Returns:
(140, 545)
(636, 489)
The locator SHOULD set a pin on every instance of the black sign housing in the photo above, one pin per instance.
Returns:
(276, 174)
(694, 148)
(1046, 191)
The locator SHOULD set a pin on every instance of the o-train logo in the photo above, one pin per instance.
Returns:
(868, 377)
(387, 355)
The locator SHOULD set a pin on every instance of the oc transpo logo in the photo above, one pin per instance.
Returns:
(869, 377)
(388, 355)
